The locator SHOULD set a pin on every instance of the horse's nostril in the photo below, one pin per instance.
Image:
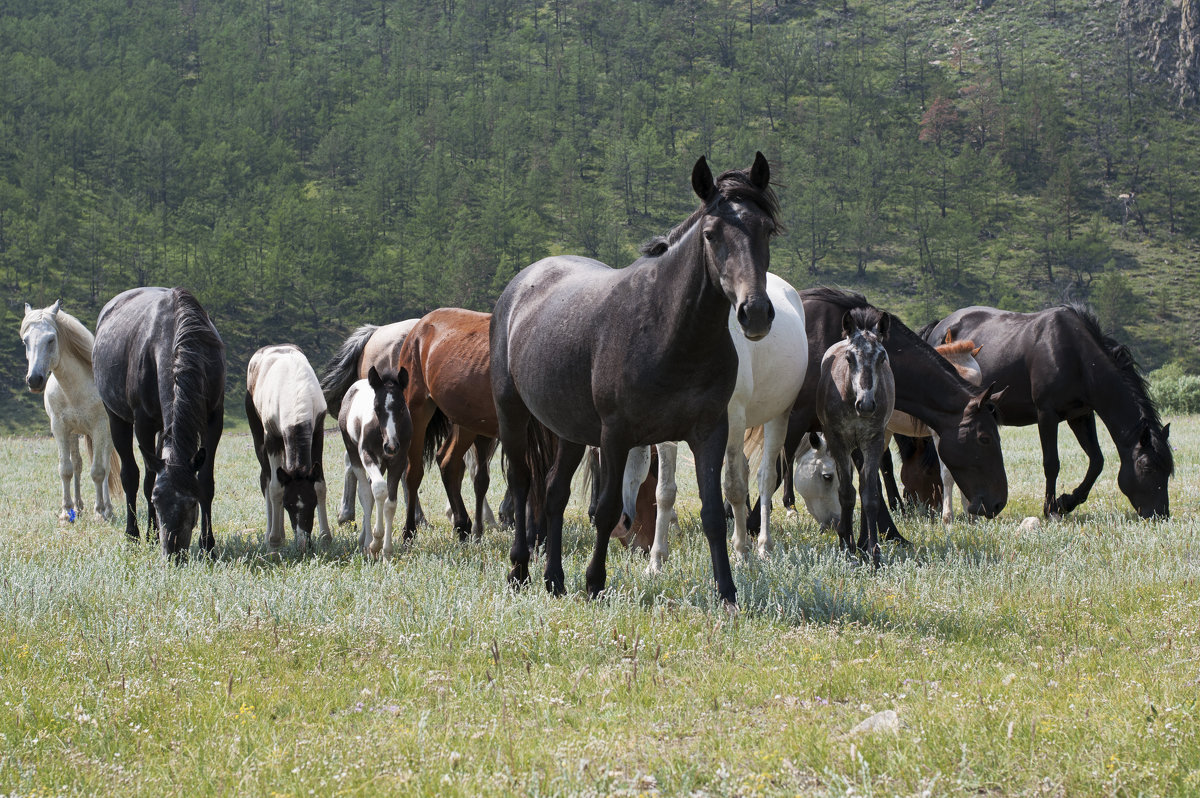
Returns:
(742, 317)
(770, 311)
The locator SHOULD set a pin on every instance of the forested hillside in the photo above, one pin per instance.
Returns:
(308, 166)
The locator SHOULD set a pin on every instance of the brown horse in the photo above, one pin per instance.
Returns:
(447, 355)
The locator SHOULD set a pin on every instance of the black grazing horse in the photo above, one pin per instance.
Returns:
(160, 371)
(618, 358)
(927, 387)
(1058, 366)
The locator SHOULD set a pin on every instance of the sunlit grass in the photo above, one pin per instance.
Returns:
(1058, 660)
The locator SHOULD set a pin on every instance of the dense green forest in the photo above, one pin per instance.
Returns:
(305, 167)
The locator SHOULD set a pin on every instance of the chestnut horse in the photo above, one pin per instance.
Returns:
(450, 385)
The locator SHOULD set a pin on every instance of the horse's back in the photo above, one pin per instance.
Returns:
(284, 387)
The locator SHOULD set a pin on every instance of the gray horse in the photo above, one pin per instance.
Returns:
(855, 398)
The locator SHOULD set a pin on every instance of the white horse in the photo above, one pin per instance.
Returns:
(376, 429)
(961, 355)
(816, 480)
(286, 411)
(59, 350)
(770, 373)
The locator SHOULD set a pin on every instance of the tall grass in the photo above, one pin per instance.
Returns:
(1058, 660)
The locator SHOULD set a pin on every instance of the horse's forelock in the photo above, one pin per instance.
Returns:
(732, 186)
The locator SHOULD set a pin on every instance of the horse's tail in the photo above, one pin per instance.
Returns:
(114, 466)
(752, 447)
(438, 432)
(541, 451)
(342, 369)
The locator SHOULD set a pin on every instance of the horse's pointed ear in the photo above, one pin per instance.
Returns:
(847, 324)
(198, 460)
(28, 308)
(884, 325)
(760, 173)
(949, 337)
(814, 440)
(975, 351)
(402, 378)
(373, 378)
(1166, 432)
(55, 308)
(702, 180)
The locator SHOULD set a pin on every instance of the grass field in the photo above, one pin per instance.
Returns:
(1060, 661)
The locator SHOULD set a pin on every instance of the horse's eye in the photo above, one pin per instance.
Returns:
(827, 477)
(986, 440)
(709, 235)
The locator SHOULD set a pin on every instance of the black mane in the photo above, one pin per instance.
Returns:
(1131, 375)
(198, 352)
(899, 333)
(732, 186)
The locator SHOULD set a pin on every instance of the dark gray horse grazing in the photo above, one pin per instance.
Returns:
(618, 358)
(1057, 365)
(927, 387)
(160, 368)
(856, 394)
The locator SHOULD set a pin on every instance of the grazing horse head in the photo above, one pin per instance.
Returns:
(865, 331)
(176, 498)
(1143, 476)
(390, 410)
(817, 482)
(737, 221)
(39, 332)
(300, 495)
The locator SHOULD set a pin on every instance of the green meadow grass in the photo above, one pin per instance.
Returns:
(1062, 660)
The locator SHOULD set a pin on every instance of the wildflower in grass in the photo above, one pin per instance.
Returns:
(246, 712)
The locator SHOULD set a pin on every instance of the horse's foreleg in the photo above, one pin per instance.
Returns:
(388, 513)
(1084, 428)
(453, 467)
(845, 476)
(275, 527)
(768, 474)
(147, 439)
(413, 476)
(208, 487)
(1048, 434)
(366, 498)
(318, 460)
(708, 447)
(869, 487)
(947, 485)
(558, 493)
(101, 448)
(66, 468)
(664, 500)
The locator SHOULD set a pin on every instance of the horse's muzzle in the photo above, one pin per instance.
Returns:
(36, 382)
(755, 316)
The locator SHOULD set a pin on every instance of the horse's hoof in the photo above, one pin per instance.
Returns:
(343, 520)
(519, 575)
(730, 607)
(556, 586)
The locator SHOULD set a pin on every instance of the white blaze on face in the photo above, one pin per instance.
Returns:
(390, 414)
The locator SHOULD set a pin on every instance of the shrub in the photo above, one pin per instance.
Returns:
(1174, 390)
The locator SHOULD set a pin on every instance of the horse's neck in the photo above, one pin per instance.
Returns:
(1114, 402)
(695, 313)
(75, 376)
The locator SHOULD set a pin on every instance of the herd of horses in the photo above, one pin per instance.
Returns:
(693, 342)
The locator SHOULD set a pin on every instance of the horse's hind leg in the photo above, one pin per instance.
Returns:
(870, 490)
(122, 435)
(558, 493)
(146, 432)
(514, 420)
(318, 460)
(100, 447)
(736, 477)
(613, 455)
(1084, 428)
(664, 500)
(889, 476)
